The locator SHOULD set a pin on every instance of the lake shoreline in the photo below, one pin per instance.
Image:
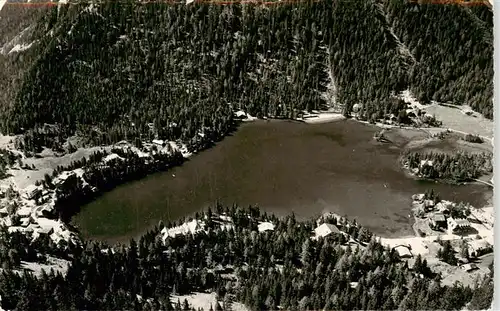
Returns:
(320, 117)
(259, 124)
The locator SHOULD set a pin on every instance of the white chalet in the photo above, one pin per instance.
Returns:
(265, 226)
(457, 225)
(31, 192)
(476, 246)
(325, 230)
(403, 251)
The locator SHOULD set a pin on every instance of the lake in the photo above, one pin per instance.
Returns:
(284, 167)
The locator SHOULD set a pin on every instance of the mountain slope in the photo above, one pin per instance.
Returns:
(111, 70)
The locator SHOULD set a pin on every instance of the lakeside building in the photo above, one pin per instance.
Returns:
(477, 247)
(403, 251)
(443, 208)
(437, 221)
(61, 178)
(469, 267)
(31, 192)
(458, 225)
(428, 205)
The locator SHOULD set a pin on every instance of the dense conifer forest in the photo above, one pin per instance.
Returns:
(283, 267)
(123, 70)
(457, 167)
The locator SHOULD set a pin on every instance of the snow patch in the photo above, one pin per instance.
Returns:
(321, 117)
(417, 245)
(325, 229)
(265, 226)
(15, 41)
(237, 306)
(408, 97)
(2, 3)
(244, 116)
(197, 300)
(140, 153)
(111, 157)
(426, 163)
(20, 47)
(191, 227)
(56, 264)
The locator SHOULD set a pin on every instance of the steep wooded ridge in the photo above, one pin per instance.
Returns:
(110, 70)
(18, 28)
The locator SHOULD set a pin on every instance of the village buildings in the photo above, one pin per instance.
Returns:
(437, 221)
(478, 247)
(458, 225)
(469, 267)
(31, 192)
(403, 251)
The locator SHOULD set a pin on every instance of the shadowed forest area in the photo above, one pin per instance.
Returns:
(264, 270)
(111, 71)
(121, 70)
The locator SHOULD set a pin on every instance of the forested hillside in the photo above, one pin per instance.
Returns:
(18, 28)
(453, 48)
(125, 70)
(283, 267)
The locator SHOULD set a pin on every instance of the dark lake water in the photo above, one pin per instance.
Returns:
(283, 167)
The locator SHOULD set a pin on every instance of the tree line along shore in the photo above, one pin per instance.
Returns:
(243, 256)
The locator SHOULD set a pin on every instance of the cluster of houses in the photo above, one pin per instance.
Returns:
(31, 216)
(439, 215)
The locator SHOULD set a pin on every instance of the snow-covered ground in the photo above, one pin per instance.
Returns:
(195, 226)
(246, 117)
(408, 97)
(453, 117)
(19, 40)
(56, 264)
(456, 120)
(20, 48)
(192, 227)
(205, 301)
(2, 3)
(265, 226)
(7, 142)
(322, 117)
(197, 300)
(418, 245)
(237, 306)
(22, 178)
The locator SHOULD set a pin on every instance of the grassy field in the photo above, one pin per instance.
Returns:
(455, 119)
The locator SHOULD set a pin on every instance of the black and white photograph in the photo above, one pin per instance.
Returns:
(246, 155)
